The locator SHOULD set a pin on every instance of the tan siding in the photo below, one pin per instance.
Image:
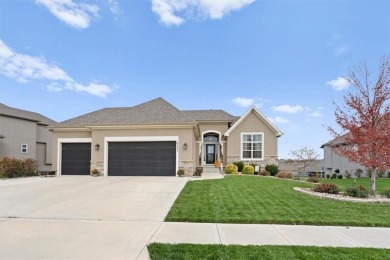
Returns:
(57, 134)
(221, 127)
(252, 123)
(185, 136)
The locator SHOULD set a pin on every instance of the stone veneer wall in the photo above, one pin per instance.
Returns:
(187, 166)
(99, 166)
(262, 163)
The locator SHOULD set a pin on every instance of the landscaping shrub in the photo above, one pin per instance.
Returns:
(357, 192)
(310, 174)
(248, 169)
(198, 171)
(327, 176)
(339, 176)
(264, 173)
(386, 193)
(240, 165)
(347, 174)
(388, 175)
(334, 176)
(369, 172)
(337, 171)
(180, 172)
(359, 173)
(273, 169)
(284, 174)
(326, 188)
(231, 169)
(313, 179)
(281, 174)
(12, 168)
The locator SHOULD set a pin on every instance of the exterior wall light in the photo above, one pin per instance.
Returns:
(97, 147)
(185, 146)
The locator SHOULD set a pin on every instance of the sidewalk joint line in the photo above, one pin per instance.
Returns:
(219, 235)
(285, 237)
(147, 243)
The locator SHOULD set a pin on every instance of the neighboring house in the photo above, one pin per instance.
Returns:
(333, 161)
(24, 134)
(155, 138)
(316, 167)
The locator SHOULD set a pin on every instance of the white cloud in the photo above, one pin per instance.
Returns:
(24, 68)
(279, 120)
(176, 12)
(289, 109)
(243, 102)
(315, 113)
(338, 84)
(114, 7)
(78, 15)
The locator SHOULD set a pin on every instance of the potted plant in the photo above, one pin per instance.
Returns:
(180, 172)
(95, 172)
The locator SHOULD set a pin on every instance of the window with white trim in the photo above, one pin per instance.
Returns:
(24, 148)
(252, 146)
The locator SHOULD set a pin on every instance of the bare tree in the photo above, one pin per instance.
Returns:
(304, 157)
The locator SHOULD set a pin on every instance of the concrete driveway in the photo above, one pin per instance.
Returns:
(83, 216)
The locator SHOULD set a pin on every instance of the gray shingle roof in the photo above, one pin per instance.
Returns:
(209, 115)
(156, 111)
(24, 114)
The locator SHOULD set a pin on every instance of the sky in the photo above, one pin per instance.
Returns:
(65, 58)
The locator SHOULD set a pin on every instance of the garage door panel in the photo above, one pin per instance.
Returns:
(75, 158)
(142, 158)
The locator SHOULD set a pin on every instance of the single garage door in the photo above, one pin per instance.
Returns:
(76, 158)
(142, 158)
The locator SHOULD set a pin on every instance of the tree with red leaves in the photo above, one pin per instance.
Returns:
(365, 118)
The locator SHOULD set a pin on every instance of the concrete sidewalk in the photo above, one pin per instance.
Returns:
(262, 234)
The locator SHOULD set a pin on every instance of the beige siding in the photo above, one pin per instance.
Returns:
(221, 127)
(17, 132)
(185, 136)
(65, 134)
(252, 123)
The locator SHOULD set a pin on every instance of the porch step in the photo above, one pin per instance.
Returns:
(210, 169)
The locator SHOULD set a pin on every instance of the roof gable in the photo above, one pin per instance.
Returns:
(254, 110)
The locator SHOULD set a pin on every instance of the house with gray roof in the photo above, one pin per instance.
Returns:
(334, 162)
(156, 139)
(24, 134)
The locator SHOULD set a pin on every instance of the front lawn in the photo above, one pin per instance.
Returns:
(190, 251)
(253, 199)
(381, 183)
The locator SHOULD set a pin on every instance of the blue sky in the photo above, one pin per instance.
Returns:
(66, 58)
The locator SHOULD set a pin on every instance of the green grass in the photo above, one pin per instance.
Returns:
(381, 184)
(253, 199)
(190, 251)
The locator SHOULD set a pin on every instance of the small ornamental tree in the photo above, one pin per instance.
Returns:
(365, 118)
(304, 157)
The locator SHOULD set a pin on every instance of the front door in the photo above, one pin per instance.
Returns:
(210, 153)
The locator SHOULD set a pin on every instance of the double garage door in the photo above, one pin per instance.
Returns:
(124, 158)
